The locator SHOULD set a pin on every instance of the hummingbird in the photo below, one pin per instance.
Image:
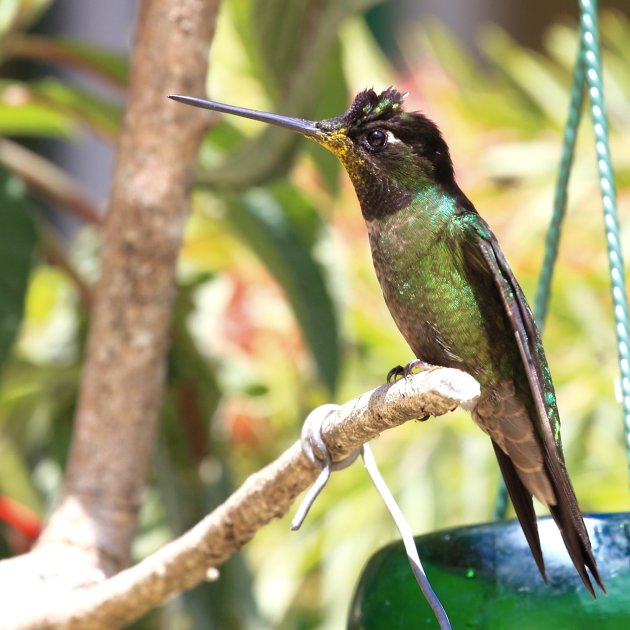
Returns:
(453, 296)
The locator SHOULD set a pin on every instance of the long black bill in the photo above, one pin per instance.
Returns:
(305, 127)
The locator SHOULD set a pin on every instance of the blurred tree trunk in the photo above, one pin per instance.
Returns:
(122, 381)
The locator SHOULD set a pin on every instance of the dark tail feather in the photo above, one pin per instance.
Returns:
(523, 506)
(566, 514)
(568, 518)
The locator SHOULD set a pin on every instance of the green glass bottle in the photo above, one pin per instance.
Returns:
(485, 577)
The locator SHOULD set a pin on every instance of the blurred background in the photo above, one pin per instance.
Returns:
(278, 308)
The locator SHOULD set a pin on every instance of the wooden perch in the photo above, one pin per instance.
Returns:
(195, 556)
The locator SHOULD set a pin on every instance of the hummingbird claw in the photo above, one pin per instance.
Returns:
(405, 372)
(395, 373)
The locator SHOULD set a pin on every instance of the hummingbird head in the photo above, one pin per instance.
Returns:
(390, 155)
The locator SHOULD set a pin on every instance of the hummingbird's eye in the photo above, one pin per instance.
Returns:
(376, 139)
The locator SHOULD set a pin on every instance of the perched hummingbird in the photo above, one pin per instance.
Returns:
(453, 296)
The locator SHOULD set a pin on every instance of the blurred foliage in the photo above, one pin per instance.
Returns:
(279, 309)
(16, 252)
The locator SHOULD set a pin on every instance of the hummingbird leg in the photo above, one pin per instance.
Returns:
(405, 372)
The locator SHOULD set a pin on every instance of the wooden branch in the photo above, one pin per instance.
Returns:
(265, 495)
(122, 380)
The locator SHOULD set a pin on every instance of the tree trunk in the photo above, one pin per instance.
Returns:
(123, 377)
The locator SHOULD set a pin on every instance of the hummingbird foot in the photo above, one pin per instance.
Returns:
(405, 372)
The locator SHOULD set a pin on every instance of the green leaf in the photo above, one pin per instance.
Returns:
(444, 47)
(293, 38)
(281, 29)
(283, 238)
(100, 115)
(30, 119)
(49, 107)
(72, 53)
(537, 79)
(17, 244)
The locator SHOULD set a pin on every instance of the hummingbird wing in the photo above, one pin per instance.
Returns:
(486, 257)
